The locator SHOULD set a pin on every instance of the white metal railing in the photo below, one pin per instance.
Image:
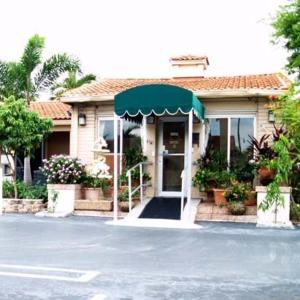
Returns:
(140, 186)
(182, 192)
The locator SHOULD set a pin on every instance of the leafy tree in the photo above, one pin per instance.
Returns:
(21, 130)
(287, 110)
(71, 82)
(31, 75)
(287, 29)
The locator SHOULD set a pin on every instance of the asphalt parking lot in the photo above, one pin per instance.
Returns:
(83, 258)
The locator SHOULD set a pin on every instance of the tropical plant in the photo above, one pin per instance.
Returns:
(212, 170)
(62, 169)
(287, 30)
(94, 182)
(71, 82)
(283, 165)
(237, 192)
(31, 75)
(21, 131)
(24, 191)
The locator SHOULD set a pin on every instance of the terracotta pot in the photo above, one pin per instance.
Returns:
(108, 192)
(220, 199)
(266, 175)
(251, 201)
(136, 201)
(92, 193)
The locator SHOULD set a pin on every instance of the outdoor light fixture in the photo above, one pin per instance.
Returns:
(82, 119)
(271, 117)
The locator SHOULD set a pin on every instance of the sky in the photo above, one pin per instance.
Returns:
(136, 38)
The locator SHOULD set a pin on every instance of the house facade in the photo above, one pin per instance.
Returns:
(174, 118)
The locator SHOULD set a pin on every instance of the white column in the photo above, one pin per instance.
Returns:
(144, 135)
(115, 167)
(189, 157)
(121, 145)
(1, 185)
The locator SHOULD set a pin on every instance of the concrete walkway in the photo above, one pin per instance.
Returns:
(83, 258)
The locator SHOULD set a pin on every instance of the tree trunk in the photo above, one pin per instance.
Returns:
(27, 170)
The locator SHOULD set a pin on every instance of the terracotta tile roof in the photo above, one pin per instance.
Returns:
(106, 87)
(55, 110)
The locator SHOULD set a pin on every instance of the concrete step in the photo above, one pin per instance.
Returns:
(95, 205)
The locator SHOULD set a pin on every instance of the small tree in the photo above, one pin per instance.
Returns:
(21, 130)
(287, 30)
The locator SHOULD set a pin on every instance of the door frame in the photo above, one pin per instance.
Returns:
(161, 121)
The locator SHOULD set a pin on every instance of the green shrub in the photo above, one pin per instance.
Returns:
(237, 192)
(237, 208)
(25, 191)
(295, 212)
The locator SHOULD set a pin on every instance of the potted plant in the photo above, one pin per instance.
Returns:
(236, 195)
(92, 188)
(236, 208)
(64, 175)
(123, 198)
(223, 179)
(264, 153)
(107, 188)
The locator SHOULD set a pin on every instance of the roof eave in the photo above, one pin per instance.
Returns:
(238, 93)
(201, 93)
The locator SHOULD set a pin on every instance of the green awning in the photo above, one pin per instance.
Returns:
(157, 99)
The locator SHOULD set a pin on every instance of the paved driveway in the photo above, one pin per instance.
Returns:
(83, 258)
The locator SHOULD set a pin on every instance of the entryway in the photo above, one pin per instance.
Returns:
(172, 145)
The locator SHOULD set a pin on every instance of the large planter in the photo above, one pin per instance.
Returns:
(92, 193)
(274, 216)
(219, 197)
(266, 176)
(61, 197)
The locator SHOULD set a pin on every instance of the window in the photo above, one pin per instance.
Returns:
(131, 133)
(230, 136)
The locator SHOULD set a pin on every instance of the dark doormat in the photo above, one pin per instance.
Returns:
(162, 208)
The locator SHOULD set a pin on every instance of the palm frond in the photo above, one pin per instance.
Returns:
(85, 79)
(32, 55)
(12, 80)
(53, 68)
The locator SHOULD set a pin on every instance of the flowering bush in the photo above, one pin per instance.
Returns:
(62, 169)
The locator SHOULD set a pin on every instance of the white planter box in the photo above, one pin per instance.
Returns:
(65, 195)
(271, 218)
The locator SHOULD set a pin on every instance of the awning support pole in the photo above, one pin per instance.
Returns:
(189, 158)
(115, 167)
(121, 146)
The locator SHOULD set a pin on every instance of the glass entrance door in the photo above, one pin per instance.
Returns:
(172, 156)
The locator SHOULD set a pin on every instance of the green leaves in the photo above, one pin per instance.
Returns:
(27, 77)
(32, 55)
(287, 30)
(71, 82)
(21, 130)
(53, 68)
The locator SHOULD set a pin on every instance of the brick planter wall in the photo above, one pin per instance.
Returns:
(29, 206)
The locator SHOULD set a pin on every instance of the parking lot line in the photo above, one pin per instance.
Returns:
(83, 276)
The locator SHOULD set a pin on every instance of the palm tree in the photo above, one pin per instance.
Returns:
(71, 82)
(31, 75)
